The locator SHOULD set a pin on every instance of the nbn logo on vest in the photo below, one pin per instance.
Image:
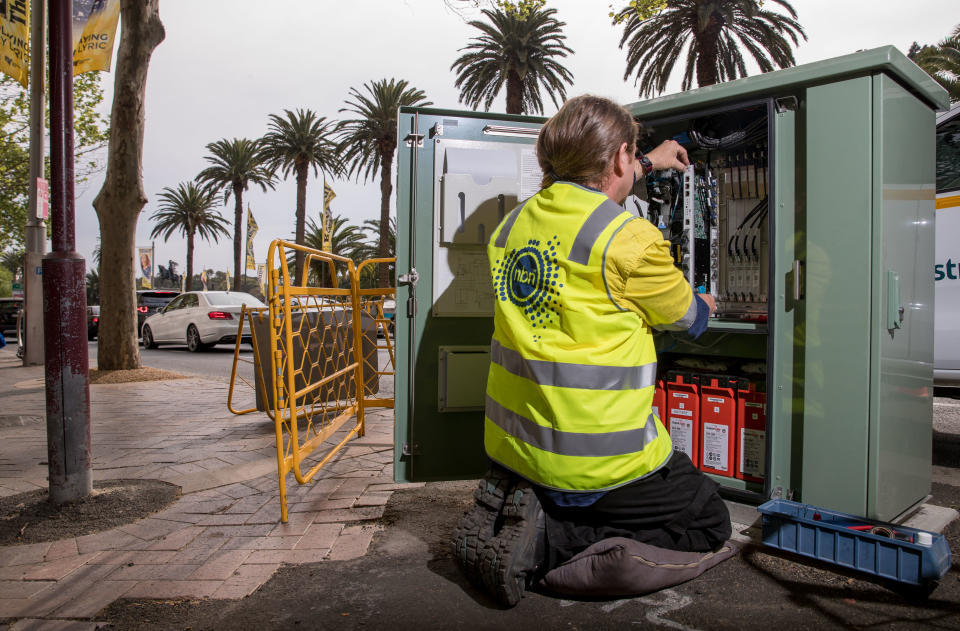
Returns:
(529, 279)
(948, 270)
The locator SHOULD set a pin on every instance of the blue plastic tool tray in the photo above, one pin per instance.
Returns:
(844, 540)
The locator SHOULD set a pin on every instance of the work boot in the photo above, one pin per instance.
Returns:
(511, 557)
(479, 524)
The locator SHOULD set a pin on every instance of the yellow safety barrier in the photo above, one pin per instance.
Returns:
(314, 349)
(379, 304)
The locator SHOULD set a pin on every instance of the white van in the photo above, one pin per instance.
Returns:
(946, 354)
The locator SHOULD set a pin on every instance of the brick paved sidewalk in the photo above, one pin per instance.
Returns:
(222, 539)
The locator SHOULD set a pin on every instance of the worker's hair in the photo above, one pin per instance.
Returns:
(579, 142)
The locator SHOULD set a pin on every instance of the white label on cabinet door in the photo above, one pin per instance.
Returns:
(753, 443)
(681, 433)
(716, 446)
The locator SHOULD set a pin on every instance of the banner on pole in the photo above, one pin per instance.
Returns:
(43, 197)
(15, 39)
(252, 230)
(203, 279)
(145, 256)
(94, 32)
(328, 195)
(262, 278)
(327, 220)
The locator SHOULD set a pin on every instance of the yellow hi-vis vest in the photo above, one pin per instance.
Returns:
(572, 374)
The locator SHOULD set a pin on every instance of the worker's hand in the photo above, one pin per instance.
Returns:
(669, 155)
(711, 302)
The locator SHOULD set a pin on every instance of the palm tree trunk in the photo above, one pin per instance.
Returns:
(386, 190)
(302, 172)
(189, 280)
(707, 60)
(514, 93)
(237, 231)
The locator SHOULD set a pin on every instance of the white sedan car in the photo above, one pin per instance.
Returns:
(198, 318)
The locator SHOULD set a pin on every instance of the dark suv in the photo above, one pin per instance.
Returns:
(8, 316)
(150, 301)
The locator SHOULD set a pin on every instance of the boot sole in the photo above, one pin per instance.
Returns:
(509, 558)
(480, 524)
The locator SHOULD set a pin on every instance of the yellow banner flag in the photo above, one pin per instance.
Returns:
(94, 32)
(262, 278)
(328, 196)
(252, 229)
(15, 39)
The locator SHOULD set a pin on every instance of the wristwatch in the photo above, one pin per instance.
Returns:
(645, 163)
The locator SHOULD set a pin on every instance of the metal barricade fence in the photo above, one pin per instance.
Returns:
(379, 304)
(314, 349)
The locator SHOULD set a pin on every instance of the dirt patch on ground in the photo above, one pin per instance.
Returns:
(31, 518)
(98, 377)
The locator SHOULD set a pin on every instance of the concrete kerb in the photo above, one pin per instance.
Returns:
(222, 538)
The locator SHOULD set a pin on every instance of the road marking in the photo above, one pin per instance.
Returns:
(672, 602)
(610, 606)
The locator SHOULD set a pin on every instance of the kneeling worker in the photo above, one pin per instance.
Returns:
(577, 453)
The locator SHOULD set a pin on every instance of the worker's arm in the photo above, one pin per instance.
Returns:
(641, 277)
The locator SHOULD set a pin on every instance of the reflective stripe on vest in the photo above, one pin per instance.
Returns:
(572, 443)
(563, 375)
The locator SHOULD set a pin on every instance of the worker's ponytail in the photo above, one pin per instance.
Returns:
(579, 142)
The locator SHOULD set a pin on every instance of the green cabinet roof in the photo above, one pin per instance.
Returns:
(886, 59)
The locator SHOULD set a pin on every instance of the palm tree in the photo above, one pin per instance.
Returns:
(294, 143)
(713, 32)
(519, 49)
(93, 287)
(373, 226)
(345, 239)
(13, 261)
(188, 209)
(235, 164)
(942, 62)
(367, 144)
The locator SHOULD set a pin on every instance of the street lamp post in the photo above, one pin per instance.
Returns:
(64, 298)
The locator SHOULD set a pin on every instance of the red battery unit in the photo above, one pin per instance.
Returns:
(683, 414)
(718, 424)
(751, 432)
(660, 402)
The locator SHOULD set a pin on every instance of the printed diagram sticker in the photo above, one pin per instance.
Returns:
(529, 278)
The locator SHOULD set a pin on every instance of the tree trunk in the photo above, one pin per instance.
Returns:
(119, 202)
(707, 59)
(237, 231)
(189, 281)
(386, 190)
(303, 170)
(514, 93)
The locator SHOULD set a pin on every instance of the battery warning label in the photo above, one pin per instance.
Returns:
(681, 433)
(752, 443)
(715, 443)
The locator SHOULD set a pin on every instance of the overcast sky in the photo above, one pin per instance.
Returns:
(225, 65)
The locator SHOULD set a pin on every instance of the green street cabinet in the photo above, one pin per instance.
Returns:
(808, 212)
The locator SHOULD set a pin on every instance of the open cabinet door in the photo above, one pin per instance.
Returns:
(459, 174)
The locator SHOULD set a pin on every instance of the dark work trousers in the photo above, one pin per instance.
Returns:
(676, 507)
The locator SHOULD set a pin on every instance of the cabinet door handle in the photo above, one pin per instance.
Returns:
(797, 280)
